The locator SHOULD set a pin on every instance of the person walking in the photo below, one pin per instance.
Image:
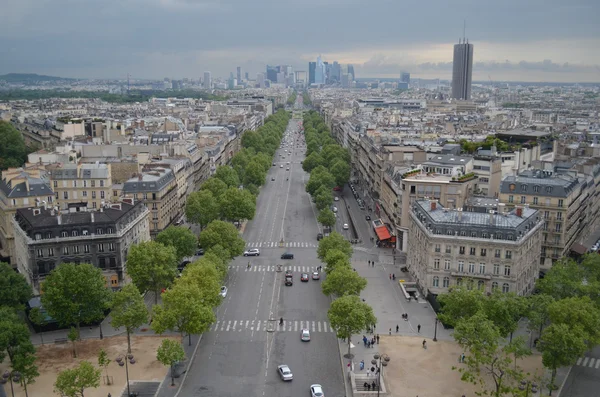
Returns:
(390, 276)
(397, 328)
(424, 344)
(390, 331)
(377, 338)
(419, 328)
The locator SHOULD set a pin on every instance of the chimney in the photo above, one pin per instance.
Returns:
(491, 217)
(92, 215)
(459, 214)
(45, 204)
(140, 177)
(59, 218)
(519, 212)
(433, 205)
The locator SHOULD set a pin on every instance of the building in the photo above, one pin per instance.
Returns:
(46, 237)
(320, 71)
(207, 83)
(158, 190)
(272, 73)
(489, 251)
(562, 201)
(312, 67)
(462, 70)
(405, 77)
(87, 185)
(239, 75)
(260, 80)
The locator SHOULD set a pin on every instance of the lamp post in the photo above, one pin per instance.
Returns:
(383, 362)
(12, 376)
(121, 362)
(526, 386)
(435, 329)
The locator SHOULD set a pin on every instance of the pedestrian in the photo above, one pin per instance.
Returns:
(390, 331)
(419, 328)
(364, 340)
(424, 344)
(362, 364)
(377, 338)
(368, 344)
(366, 385)
(393, 276)
(462, 358)
(390, 276)
(397, 328)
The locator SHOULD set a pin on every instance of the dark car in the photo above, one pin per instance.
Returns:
(289, 280)
(368, 217)
(319, 236)
(287, 255)
(200, 252)
(182, 265)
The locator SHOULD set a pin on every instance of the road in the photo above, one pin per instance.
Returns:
(241, 352)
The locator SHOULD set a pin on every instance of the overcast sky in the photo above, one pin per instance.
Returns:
(519, 40)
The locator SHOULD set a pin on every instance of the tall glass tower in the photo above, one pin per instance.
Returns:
(462, 70)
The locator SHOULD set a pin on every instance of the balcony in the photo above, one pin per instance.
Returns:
(478, 276)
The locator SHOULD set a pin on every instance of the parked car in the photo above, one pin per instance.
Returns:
(223, 291)
(345, 226)
(287, 255)
(368, 217)
(200, 252)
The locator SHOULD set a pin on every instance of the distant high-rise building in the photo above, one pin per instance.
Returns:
(351, 72)
(301, 77)
(462, 70)
(336, 72)
(272, 73)
(207, 83)
(280, 78)
(260, 80)
(246, 75)
(312, 67)
(405, 77)
(239, 74)
(320, 71)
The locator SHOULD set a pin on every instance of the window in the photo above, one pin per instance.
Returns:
(494, 285)
(505, 287)
(145, 196)
(101, 247)
(102, 263)
(461, 266)
(447, 264)
(546, 214)
(559, 216)
(483, 252)
(561, 202)
(480, 285)
(75, 249)
(446, 282)
(55, 183)
(111, 246)
(74, 183)
(38, 236)
(438, 248)
(50, 251)
(154, 206)
(66, 195)
(558, 227)
(65, 250)
(115, 193)
(482, 268)
(99, 231)
(472, 251)
(155, 225)
(496, 268)
(535, 201)
(64, 234)
(93, 194)
(93, 183)
(536, 188)
(508, 254)
(110, 230)
(523, 199)
(84, 183)
(84, 193)
(448, 249)
(436, 281)
(74, 233)
(86, 249)
(496, 253)
(102, 194)
(436, 264)
(101, 183)
(94, 204)
(40, 253)
(459, 281)
(461, 250)
(49, 235)
(523, 187)
(84, 232)
(470, 284)
(471, 267)
(507, 270)
(511, 199)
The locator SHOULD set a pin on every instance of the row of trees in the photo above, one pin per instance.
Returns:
(306, 99)
(292, 98)
(328, 164)
(231, 193)
(564, 313)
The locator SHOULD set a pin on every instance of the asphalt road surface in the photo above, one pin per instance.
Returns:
(240, 354)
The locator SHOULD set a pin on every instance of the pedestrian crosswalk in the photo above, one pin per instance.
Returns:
(276, 244)
(589, 362)
(270, 326)
(273, 268)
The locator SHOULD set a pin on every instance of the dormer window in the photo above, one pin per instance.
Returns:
(523, 188)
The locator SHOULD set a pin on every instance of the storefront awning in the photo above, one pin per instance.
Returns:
(382, 233)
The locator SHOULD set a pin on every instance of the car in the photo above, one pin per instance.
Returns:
(288, 273)
(252, 252)
(182, 265)
(200, 252)
(287, 255)
(288, 163)
(319, 236)
(305, 335)
(289, 280)
(280, 165)
(287, 168)
(316, 391)
(316, 275)
(345, 226)
(272, 178)
(304, 277)
(223, 291)
(336, 198)
(368, 217)
(334, 209)
(284, 372)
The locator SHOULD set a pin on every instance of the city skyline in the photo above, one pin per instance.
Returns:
(556, 44)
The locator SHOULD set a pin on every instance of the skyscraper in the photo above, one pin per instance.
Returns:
(207, 83)
(405, 77)
(351, 72)
(462, 70)
(272, 73)
(239, 74)
(320, 71)
(312, 66)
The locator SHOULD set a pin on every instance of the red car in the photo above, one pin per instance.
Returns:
(304, 277)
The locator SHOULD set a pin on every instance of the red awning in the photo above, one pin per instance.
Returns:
(382, 232)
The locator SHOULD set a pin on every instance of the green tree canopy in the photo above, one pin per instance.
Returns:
(312, 161)
(237, 204)
(73, 382)
(15, 291)
(227, 175)
(343, 281)
(324, 200)
(75, 294)
(169, 353)
(216, 186)
(14, 335)
(254, 174)
(341, 172)
(152, 266)
(460, 303)
(219, 257)
(334, 241)
(13, 152)
(204, 274)
(580, 312)
(128, 310)
(326, 217)
(202, 207)
(335, 259)
(179, 237)
(223, 234)
(348, 315)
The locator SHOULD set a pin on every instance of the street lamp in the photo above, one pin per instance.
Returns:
(435, 329)
(383, 362)
(13, 376)
(528, 385)
(121, 362)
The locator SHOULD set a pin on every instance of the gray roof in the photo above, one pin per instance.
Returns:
(153, 181)
(37, 188)
(552, 186)
(448, 159)
(82, 171)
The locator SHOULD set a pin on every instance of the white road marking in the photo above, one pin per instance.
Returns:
(592, 362)
(585, 361)
(228, 323)
(597, 363)
(234, 323)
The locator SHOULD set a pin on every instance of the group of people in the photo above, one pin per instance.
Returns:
(370, 342)
(392, 276)
(369, 386)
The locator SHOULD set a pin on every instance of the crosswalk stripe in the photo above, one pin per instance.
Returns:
(319, 324)
(295, 326)
(585, 361)
(592, 362)
(597, 363)
(258, 326)
(313, 326)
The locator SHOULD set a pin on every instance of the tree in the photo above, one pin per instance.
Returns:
(343, 281)
(223, 234)
(204, 275)
(14, 335)
(183, 311)
(220, 257)
(335, 259)
(326, 217)
(254, 174)
(73, 335)
(75, 294)
(318, 179)
(538, 315)
(103, 361)
(73, 382)
(505, 310)
(216, 186)
(237, 204)
(15, 291)
(334, 241)
(13, 152)
(561, 346)
(202, 208)
(169, 353)
(227, 175)
(564, 280)
(323, 200)
(348, 315)
(24, 363)
(180, 238)
(151, 266)
(460, 303)
(580, 311)
(128, 310)
(312, 161)
(341, 172)
(486, 359)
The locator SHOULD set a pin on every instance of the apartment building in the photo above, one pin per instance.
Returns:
(46, 237)
(182, 169)
(20, 188)
(158, 190)
(81, 185)
(562, 201)
(488, 251)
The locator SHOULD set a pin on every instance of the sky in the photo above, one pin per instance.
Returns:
(514, 40)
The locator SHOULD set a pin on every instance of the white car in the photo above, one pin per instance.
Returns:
(252, 252)
(334, 209)
(281, 166)
(305, 335)
(345, 226)
(336, 198)
(284, 372)
(316, 391)
(223, 291)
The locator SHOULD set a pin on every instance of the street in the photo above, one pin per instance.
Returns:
(240, 353)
